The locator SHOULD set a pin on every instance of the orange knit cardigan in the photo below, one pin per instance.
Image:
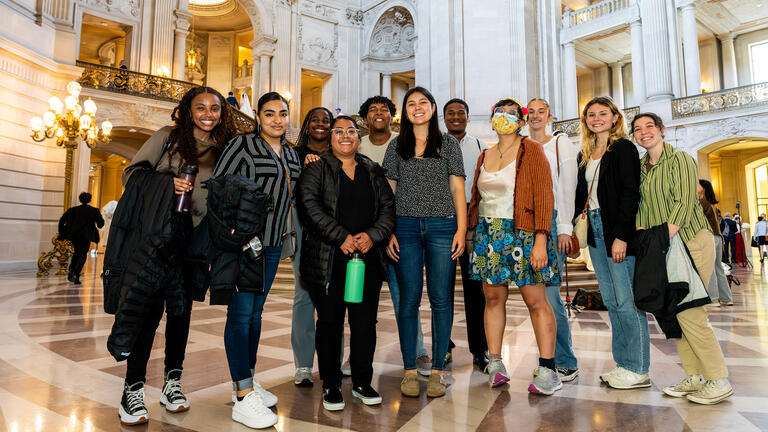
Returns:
(534, 199)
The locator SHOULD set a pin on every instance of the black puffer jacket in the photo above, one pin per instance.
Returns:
(316, 200)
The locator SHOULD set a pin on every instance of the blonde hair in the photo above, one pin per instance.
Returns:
(542, 101)
(589, 138)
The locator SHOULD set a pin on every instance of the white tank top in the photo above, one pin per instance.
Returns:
(497, 190)
(592, 175)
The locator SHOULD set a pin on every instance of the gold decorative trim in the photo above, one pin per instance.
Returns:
(720, 101)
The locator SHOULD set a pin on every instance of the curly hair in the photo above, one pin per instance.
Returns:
(589, 138)
(377, 100)
(304, 132)
(183, 132)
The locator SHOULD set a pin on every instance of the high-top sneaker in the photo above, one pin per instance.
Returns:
(172, 398)
(132, 410)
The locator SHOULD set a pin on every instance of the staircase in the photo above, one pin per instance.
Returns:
(579, 277)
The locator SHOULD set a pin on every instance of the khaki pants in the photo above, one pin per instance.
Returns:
(698, 349)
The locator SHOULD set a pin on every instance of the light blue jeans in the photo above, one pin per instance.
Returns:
(631, 344)
(564, 356)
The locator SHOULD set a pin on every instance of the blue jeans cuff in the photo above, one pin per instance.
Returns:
(242, 384)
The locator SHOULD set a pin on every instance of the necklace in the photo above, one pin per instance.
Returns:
(501, 153)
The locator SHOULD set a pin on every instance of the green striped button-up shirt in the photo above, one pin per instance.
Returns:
(668, 193)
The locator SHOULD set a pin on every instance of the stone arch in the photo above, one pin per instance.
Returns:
(398, 4)
(261, 18)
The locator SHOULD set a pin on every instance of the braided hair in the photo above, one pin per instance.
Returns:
(304, 132)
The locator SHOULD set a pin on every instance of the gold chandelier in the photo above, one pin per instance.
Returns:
(68, 121)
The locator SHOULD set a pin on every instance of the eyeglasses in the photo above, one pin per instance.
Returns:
(341, 132)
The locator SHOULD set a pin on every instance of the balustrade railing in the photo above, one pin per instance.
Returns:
(572, 127)
(595, 11)
(145, 85)
(719, 101)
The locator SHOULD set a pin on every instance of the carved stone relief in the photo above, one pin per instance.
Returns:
(355, 17)
(311, 7)
(394, 35)
(107, 53)
(732, 127)
(129, 8)
(313, 43)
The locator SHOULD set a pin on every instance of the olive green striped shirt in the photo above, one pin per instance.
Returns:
(668, 193)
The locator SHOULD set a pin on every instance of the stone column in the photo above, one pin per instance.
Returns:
(262, 51)
(180, 46)
(162, 36)
(638, 63)
(264, 78)
(730, 75)
(691, 50)
(656, 50)
(386, 84)
(255, 78)
(618, 84)
(570, 85)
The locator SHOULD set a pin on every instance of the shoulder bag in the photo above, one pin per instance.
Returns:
(581, 225)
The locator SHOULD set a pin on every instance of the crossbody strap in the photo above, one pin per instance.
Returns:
(592, 184)
(557, 154)
(290, 197)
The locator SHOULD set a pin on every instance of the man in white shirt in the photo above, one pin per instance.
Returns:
(377, 112)
(455, 115)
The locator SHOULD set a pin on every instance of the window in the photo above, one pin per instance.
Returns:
(761, 188)
(758, 60)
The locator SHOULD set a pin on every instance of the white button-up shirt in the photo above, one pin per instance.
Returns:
(471, 148)
(564, 185)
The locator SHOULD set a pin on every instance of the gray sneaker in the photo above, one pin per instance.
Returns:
(546, 381)
(424, 365)
(497, 373)
(303, 377)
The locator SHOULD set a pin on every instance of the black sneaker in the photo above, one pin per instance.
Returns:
(480, 361)
(567, 374)
(366, 394)
(172, 398)
(132, 410)
(332, 399)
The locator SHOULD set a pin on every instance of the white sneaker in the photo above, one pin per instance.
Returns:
(268, 398)
(252, 412)
(689, 384)
(545, 381)
(626, 379)
(424, 365)
(712, 392)
(604, 377)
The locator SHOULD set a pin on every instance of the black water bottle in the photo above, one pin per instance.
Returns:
(188, 173)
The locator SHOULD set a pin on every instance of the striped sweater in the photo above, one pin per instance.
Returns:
(534, 199)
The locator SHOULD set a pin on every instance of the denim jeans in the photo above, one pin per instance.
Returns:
(564, 356)
(718, 287)
(243, 328)
(425, 242)
(631, 343)
(303, 313)
(394, 292)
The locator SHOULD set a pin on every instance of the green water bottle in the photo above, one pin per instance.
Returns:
(353, 286)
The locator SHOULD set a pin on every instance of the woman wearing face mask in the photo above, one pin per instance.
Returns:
(346, 206)
(511, 210)
(426, 171)
(314, 138)
(608, 167)
(267, 159)
(668, 196)
(203, 125)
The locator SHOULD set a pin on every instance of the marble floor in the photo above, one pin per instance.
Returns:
(56, 374)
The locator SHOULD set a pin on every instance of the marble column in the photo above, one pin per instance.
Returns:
(162, 36)
(263, 74)
(180, 46)
(386, 84)
(255, 77)
(638, 63)
(730, 74)
(617, 81)
(570, 85)
(656, 50)
(691, 50)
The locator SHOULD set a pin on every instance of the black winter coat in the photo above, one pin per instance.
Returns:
(79, 223)
(618, 192)
(316, 199)
(143, 257)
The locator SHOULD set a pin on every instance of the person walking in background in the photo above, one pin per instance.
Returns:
(346, 206)
(717, 286)
(314, 138)
(761, 237)
(426, 172)
(80, 225)
(561, 155)
(609, 185)
(729, 228)
(511, 210)
(456, 115)
(232, 100)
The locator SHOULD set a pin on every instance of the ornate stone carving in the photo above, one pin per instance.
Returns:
(287, 3)
(311, 7)
(394, 35)
(355, 16)
(129, 8)
(731, 127)
(315, 48)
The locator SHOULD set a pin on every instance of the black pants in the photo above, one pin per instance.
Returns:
(362, 326)
(729, 246)
(176, 335)
(474, 308)
(79, 257)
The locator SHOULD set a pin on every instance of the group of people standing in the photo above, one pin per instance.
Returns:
(405, 204)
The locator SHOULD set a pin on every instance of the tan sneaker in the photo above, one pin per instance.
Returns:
(436, 386)
(410, 385)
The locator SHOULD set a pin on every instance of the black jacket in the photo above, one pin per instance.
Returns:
(618, 192)
(78, 224)
(143, 258)
(237, 212)
(316, 200)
